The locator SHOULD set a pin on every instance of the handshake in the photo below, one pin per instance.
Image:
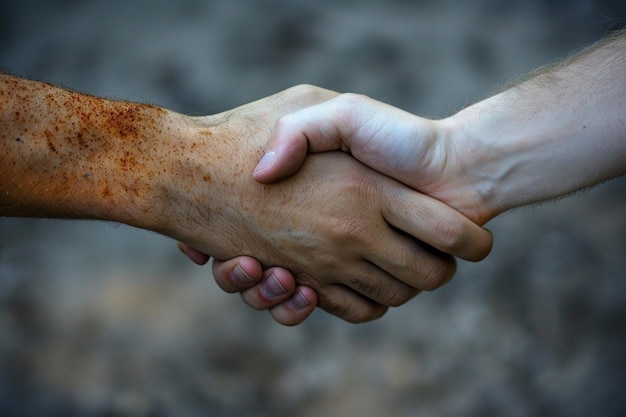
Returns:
(313, 198)
(358, 234)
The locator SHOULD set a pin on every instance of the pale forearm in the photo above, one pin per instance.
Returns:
(66, 154)
(560, 131)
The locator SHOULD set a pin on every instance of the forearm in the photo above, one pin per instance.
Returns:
(558, 132)
(71, 155)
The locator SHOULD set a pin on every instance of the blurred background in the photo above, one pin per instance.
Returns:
(99, 319)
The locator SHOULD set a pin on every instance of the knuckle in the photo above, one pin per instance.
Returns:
(306, 91)
(370, 313)
(334, 308)
(283, 124)
(364, 184)
(439, 273)
(363, 286)
(353, 312)
(391, 295)
(352, 99)
(345, 105)
(400, 297)
(453, 236)
(351, 229)
(301, 89)
(282, 121)
(308, 280)
(304, 95)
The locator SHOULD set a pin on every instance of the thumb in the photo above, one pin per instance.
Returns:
(313, 129)
(282, 158)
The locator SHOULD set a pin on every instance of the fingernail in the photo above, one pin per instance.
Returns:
(240, 277)
(272, 288)
(298, 302)
(265, 162)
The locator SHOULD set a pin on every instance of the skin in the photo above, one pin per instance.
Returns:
(561, 131)
(71, 155)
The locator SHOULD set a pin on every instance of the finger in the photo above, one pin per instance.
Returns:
(436, 224)
(195, 255)
(412, 263)
(237, 274)
(297, 308)
(276, 287)
(383, 286)
(313, 129)
(346, 304)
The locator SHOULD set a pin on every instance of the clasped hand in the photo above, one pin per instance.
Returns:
(361, 240)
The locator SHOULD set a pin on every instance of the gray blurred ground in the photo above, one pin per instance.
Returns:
(99, 319)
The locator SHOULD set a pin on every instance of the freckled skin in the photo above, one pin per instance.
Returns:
(62, 135)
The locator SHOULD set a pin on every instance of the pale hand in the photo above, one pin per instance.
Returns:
(413, 150)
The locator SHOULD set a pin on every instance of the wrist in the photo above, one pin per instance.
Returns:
(192, 197)
(138, 143)
(477, 164)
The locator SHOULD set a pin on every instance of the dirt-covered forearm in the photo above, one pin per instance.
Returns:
(71, 155)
